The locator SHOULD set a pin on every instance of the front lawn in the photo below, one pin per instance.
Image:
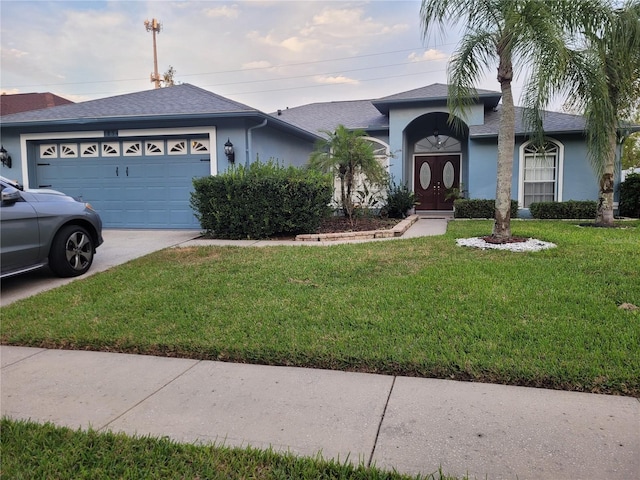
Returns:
(422, 307)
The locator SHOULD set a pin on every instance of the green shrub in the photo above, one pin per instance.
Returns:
(570, 209)
(630, 196)
(261, 200)
(479, 208)
(399, 201)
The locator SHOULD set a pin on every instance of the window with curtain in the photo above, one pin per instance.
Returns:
(540, 173)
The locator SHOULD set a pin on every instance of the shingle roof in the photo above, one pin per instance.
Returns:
(553, 122)
(183, 99)
(430, 93)
(318, 117)
(24, 102)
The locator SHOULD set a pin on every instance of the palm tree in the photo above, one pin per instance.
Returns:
(602, 80)
(524, 33)
(349, 156)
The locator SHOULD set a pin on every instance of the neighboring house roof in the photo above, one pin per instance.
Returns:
(23, 102)
(321, 117)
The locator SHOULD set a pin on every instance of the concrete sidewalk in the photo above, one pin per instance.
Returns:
(412, 425)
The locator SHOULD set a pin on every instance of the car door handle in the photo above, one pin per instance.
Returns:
(117, 171)
(127, 171)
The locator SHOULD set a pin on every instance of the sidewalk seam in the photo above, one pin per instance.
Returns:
(43, 350)
(384, 412)
(148, 396)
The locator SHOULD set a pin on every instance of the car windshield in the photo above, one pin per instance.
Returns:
(13, 183)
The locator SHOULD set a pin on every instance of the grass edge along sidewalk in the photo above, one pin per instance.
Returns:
(31, 450)
(416, 307)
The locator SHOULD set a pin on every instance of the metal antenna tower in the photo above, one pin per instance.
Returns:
(154, 26)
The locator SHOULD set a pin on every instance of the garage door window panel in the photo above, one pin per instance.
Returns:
(200, 146)
(89, 150)
(132, 149)
(177, 147)
(111, 149)
(48, 151)
(69, 150)
(154, 148)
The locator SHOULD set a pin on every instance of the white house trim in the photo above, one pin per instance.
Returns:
(559, 172)
(143, 132)
(26, 137)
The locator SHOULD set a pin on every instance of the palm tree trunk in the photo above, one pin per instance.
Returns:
(604, 213)
(506, 134)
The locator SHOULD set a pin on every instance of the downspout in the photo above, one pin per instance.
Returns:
(249, 139)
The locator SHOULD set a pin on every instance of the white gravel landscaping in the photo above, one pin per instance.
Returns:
(531, 245)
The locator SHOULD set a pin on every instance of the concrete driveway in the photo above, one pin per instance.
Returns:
(119, 247)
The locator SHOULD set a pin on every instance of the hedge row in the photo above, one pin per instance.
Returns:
(261, 201)
(479, 208)
(572, 209)
(630, 196)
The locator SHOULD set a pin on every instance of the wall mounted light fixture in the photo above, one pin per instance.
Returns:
(228, 151)
(5, 157)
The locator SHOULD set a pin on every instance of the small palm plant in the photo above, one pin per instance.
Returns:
(350, 157)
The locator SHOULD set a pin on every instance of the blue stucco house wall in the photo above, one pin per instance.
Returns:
(134, 156)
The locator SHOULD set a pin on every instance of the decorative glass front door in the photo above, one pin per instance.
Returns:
(434, 178)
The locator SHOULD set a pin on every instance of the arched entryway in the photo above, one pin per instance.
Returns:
(435, 163)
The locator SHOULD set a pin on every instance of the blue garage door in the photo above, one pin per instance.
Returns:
(132, 184)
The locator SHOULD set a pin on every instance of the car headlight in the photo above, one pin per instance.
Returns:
(88, 205)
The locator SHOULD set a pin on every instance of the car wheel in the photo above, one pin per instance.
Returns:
(71, 252)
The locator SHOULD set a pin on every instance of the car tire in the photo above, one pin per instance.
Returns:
(71, 252)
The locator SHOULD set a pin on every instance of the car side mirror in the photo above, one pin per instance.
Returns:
(10, 195)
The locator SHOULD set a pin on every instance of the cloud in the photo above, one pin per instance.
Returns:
(13, 53)
(429, 55)
(334, 80)
(256, 65)
(222, 12)
(348, 23)
(293, 43)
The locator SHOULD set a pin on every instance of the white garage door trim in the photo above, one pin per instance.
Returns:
(26, 137)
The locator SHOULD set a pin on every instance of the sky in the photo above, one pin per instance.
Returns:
(268, 54)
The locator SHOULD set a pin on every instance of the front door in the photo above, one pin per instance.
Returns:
(434, 177)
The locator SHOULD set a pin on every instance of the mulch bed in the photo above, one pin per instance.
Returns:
(362, 224)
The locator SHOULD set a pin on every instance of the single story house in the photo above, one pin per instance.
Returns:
(133, 156)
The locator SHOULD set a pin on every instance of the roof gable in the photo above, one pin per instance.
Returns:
(436, 92)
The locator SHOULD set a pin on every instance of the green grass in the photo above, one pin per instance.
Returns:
(29, 450)
(421, 307)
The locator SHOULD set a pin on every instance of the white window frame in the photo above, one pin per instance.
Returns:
(559, 170)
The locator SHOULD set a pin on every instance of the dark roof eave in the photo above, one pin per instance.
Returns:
(126, 118)
(384, 105)
(525, 134)
(630, 129)
(137, 118)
